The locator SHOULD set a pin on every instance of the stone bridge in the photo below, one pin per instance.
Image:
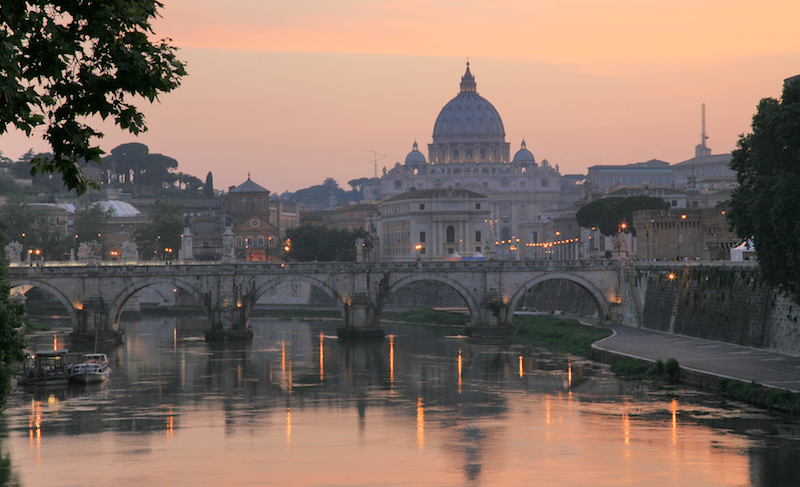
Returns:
(95, 295)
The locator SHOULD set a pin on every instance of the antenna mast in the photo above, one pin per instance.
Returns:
(375, 161)
(703, 135)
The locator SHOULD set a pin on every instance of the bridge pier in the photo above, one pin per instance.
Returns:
(361, 319)
(93, 322)
(229, 322)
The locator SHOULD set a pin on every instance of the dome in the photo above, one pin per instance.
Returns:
(468, 117)
(523, 154)
(415, 156)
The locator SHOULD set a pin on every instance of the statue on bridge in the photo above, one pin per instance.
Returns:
(130, 252)
(227, 246)
(89, 251)
(13, 252)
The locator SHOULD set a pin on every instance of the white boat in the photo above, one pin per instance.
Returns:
(93, 367)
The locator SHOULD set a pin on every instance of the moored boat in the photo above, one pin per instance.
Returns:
(46, 368)
(93, 367)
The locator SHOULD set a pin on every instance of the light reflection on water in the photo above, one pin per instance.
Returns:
(297, 407)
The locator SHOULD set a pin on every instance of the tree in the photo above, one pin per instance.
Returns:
(90, 224)
(208, 188)
(35, 228)
(765, 205)
(319, 243)
(63, 62)
(12, 345)
(608, 213)
(162, 233)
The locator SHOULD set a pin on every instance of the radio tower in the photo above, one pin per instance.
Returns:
(702, 150)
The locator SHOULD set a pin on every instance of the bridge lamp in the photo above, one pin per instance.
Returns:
(671, 276)
(419, 248)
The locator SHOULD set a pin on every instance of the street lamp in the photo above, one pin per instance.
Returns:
(419, 248)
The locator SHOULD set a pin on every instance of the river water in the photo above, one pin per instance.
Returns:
(297, 407)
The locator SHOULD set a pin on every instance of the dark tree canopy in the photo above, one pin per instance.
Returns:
(12, 345)
(208, 188)
(162, 233)
(765, 205)
(35, 228)
(90, 223)
(608, 213)
(63, 62)
(319, 243)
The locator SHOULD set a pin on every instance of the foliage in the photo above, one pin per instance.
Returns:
(163, 232)
(319, 243)
(90, 225)
(608, 213)
(659, 371)
(322, 193)
(764, 206)
(430, 316)
(310, 313)
(33, 227)
(12, 345)
(557, 334)
(65, 61)
(134, 165)
(206, 255)
(208, 188)
(758, 395)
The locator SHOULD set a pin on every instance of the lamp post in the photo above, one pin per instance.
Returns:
(419, 249)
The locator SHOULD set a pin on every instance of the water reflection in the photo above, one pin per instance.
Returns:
(411, 409)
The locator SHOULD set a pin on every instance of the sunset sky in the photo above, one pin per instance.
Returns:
(297, 91)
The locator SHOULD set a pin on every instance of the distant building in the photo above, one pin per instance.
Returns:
(350, 217)
(247, 208)
(440, 221)
(605, 178)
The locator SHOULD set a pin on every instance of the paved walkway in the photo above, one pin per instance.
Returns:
(716, 358)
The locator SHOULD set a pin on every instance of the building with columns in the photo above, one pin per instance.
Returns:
(431, 224)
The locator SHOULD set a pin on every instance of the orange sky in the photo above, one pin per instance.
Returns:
(298, 91)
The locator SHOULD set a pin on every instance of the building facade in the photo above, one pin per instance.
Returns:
(431, 224)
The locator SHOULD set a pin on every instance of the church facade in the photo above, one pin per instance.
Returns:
(469, 152)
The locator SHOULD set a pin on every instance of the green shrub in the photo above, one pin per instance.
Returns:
(557, 334)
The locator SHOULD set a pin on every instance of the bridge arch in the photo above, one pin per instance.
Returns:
(600, 300)
(274, 281)
(118, 303)
(472, 303)
(63, 298)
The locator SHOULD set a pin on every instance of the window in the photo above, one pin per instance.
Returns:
(505, 233)
(271, 241)
(477, 206)
(422, 206)
(545, 182)
(238, 241)
(260, 241)
(398, 184)
(422, 251)
(248, 241)
(505, 211)
(421, 237)
(478, 236)
(674, 203)
(450, 251)
(451, 234)
(478, 248)
(235, 205)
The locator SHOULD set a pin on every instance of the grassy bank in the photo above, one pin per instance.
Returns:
(556, 334)
(429, 317)
(774, 399)
(660, 371)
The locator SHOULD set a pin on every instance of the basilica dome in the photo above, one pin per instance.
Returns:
(415, 156)
(523, 154)
(468, 129)
(468, 115)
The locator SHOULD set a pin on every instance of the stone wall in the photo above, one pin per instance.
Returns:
(729, 304)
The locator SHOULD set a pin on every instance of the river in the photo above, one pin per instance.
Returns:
(297, 407)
